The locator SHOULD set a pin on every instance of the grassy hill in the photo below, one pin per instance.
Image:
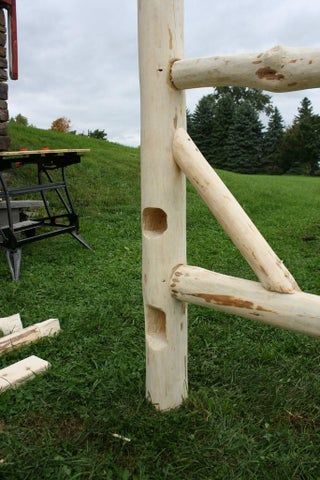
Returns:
(253, 410)
(113, 163)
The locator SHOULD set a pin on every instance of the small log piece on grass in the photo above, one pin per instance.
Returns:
(17, 373)
(28, 335)
(10, 324)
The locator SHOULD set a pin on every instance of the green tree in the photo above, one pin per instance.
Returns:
(190, 129)
(21, 120)
(99, 134)
(305, 111)
(213, 117)
(290, 160)
(310, 135)
(301, 143)
(257, 98)
(202, 124)
(272, 143)
(244, 142)
(222, 121)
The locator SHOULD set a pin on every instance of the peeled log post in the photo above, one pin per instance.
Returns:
(264, 262)
(163, 201)
(280, 69)
(299, 311)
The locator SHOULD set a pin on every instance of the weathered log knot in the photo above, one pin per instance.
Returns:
(267, 73)
(278, 69)
(273, 60)
(275, 57)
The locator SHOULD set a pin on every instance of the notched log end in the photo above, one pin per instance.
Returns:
(171, 78)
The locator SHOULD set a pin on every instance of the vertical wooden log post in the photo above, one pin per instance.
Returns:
(163, 201)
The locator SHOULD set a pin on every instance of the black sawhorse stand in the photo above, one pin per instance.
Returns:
(14, 235)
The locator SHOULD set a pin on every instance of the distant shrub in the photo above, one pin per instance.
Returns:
(100, 134)
(20, 120)
(61, 124)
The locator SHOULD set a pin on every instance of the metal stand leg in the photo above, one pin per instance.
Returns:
(14, 262)
(78, 237)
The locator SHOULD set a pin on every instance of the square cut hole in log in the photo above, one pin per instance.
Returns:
(156, 328)
(154, 222)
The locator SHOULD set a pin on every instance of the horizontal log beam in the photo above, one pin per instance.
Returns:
(299, 311)
(264, 262)
(280, 69)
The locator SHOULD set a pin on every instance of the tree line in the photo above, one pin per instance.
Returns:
(226, 126)
(63, 125)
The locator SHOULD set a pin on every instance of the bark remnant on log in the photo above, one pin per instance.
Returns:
(299, 311)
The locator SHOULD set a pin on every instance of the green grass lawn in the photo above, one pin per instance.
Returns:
(254, 406)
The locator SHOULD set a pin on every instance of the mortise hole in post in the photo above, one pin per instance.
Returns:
(154, 222)
(156, 328)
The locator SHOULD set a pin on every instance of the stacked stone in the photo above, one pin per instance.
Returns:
(4, 114)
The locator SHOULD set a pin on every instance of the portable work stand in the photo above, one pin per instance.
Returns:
(16, 234)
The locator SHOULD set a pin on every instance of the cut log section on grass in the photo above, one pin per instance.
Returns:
(17, 373)
(10, 324)
(299, 311)
(280, 69)
(28, 335)
(264, 262)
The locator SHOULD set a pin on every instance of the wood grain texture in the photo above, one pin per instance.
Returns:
(18, 373)
(280, 69)
(264, 262)
(28, 335)
(299, 311)
(43, 152)
(163, 201)
(10, 324)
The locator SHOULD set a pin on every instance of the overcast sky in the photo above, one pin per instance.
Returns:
(79, 59)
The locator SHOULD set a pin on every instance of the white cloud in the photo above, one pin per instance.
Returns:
(79, 59)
